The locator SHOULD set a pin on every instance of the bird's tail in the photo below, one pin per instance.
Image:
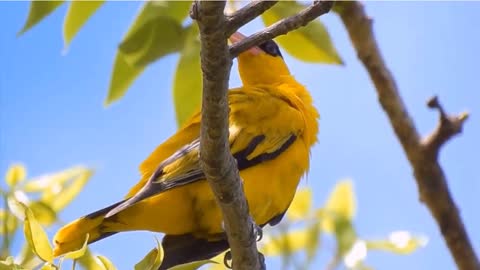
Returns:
(72, 236)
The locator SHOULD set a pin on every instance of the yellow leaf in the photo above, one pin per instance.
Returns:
(88, 261)
(69, 192)
(152, 260)
(16, 203)
(78, 253)
(311, 43)
(138, 47)
(43, 212)
(53, 181)
(341, 204)
(77, 15)
(36, 236)
(27, 258)
(48, 266)
(217, 262)
(288, 243)
(399, 242)
(187, 84)
(356, 255)
(192, 265)
(106, 263)
(8, 222)
(38, 11)
(301, 204)
(9, 264)
(15, 174)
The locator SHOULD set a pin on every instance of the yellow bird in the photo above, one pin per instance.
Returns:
(273, 125)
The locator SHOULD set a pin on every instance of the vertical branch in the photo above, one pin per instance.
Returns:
(216, 160)
(422, 153)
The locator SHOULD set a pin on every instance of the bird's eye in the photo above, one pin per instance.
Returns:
(271, 48)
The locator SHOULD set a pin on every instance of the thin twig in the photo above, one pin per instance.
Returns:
(283, 26)
(217, 162)
(246, 14)
(448, 126)
(422, 154)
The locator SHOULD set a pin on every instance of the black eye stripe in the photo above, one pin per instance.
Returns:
(271, 48)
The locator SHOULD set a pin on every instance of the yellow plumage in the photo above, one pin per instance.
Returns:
(273, 125)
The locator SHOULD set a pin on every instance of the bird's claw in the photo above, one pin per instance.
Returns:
(227, 259)
(258, 231)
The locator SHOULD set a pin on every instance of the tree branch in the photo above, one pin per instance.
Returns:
(422, 154)
(246, 14)
(282, 27)
(217, 162)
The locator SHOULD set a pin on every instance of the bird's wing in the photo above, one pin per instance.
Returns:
(251, 143)
(185, 135)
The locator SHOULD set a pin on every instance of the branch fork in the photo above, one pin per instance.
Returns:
(216, 160)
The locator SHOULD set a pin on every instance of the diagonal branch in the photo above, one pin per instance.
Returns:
(217, 161)
(282, 27)
(246, 14)
(422, 154)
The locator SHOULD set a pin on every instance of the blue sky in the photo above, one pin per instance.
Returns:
(51, 117)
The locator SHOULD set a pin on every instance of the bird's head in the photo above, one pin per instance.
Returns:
(261, 64)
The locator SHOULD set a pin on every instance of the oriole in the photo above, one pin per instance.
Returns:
(273, 125)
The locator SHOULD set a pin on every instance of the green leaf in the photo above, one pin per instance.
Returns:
(141, 45)
(36, 236)
(78, 253)
(193, 265)
(38, 11)
(345, 235)
(77, 15)
(400, 242)
(341, 205)
(187, 84)
(157, 38)
(301, 204)
(122, 77)
(43, 212)
(106, 263)
(313, 241)
(152, 260)
(15, 174)
(311, 43)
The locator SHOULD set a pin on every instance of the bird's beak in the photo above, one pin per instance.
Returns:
(237, 37)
